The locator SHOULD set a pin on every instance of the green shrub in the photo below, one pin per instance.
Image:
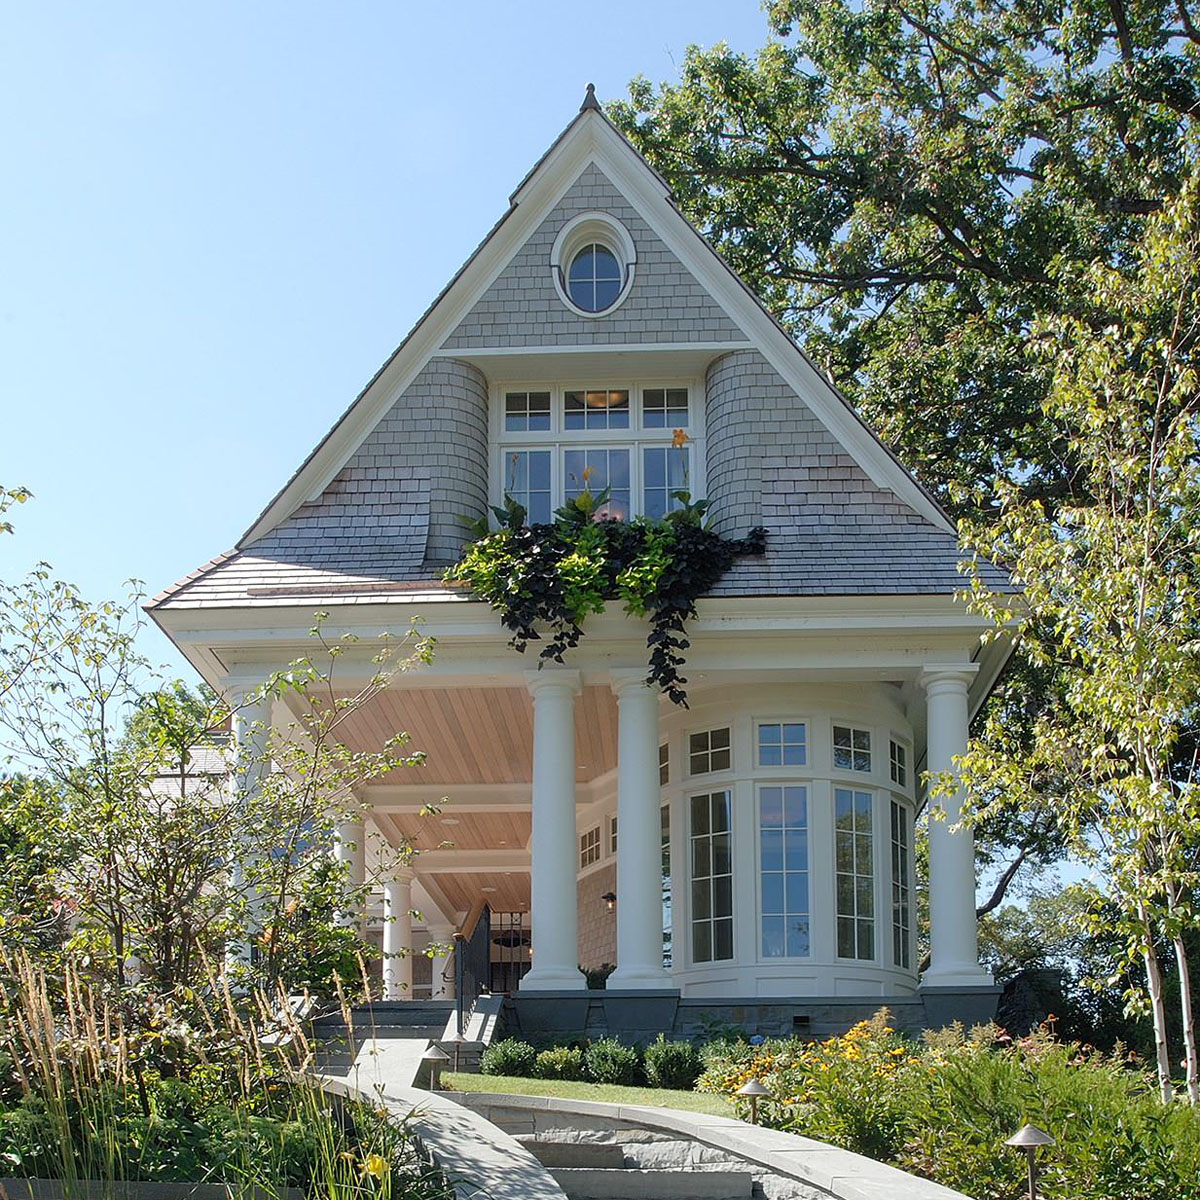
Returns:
(508, 1057)
(560, 1062)
(673, 1064)
(607, 1061)
(597, 977)
(942, 1110)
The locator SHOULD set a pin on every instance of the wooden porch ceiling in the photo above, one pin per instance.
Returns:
(480, 735)
(456, 831)
(509, 892)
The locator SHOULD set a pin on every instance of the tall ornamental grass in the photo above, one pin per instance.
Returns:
(95, 1089)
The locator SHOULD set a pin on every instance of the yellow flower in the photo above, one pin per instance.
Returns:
(679, 439)
(376, 1165)
(588, 472)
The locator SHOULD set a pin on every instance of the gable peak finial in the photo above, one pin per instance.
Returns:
(590, 101)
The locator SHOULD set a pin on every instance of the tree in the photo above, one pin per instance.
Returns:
(163, 840)
(1111, 600)
(911, 186)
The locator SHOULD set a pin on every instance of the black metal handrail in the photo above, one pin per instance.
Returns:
(472, 965)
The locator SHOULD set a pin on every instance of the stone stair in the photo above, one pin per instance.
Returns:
(414, 1021)
(619, 1165)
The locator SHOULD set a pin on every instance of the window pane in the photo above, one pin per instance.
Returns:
(596, 409)
(722, 940)
(773, 944)
(770, 804)
(845, 938)
(607, 292)
(720, 855)
(527, 481)
(699, 815)
(795, 806)
(720, 813)
(772, 892)
(702, 899)
(772, 850)
(664, 408)
(797, 939)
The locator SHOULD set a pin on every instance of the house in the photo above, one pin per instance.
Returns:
(769, 824)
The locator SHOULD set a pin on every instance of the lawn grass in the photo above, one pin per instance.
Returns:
(609, 1093)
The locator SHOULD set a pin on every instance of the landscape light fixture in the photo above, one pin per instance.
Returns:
(610, 900)
(437, 1059)
(457, 1040)
(754, 1089)
(1029, 1138)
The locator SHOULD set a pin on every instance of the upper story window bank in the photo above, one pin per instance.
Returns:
(638, 442)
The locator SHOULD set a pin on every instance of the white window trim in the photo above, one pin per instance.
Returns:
(874, 773)
(781, 782)
(790, 769)
(878, 875)
(558, 439)
(690, 959)
(721, 772)
(577, 233)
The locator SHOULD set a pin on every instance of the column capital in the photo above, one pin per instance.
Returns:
(940, 678)
(399, 874)
(630, 680)
(239, 690)
(563, 680)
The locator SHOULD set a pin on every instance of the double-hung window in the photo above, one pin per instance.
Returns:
(632, 444)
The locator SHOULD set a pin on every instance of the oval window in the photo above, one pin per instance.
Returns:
(595, 278)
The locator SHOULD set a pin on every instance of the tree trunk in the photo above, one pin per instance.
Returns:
(1189, 1023)
(1158, 1009)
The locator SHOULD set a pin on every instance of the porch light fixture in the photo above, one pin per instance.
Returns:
(754, 1089)
(610, 900)
(1029, 1138)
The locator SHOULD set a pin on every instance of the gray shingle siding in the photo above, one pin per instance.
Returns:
(522, 306)
(829, 528)
(393, 512)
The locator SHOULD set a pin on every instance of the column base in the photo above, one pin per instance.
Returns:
(551, 979)
(968, 1004)
(638, 979)
(957, 977)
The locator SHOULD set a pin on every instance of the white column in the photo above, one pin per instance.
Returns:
(441, 978)
(639, 837)
(397, 936)
(250, 720)
(953, 932)
(554, 849)
(350, 849)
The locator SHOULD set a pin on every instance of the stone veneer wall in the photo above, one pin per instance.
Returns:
(597, 926)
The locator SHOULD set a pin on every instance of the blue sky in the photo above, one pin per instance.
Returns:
(217, 221)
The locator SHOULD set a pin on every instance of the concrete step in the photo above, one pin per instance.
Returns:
(598, 1155)
(588, 1183)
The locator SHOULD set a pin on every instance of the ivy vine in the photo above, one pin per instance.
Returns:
(545, 579)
